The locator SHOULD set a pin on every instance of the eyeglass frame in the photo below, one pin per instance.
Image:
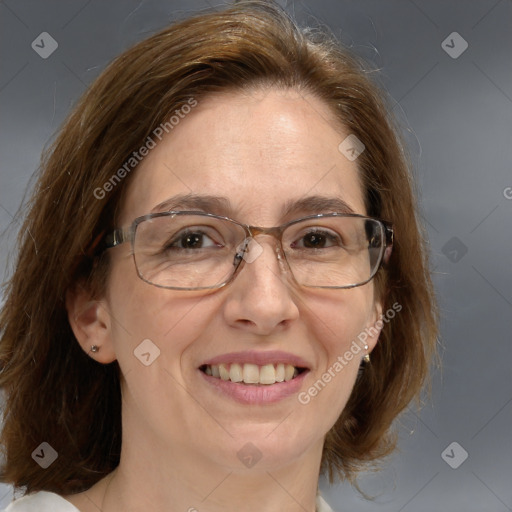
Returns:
(122, 235)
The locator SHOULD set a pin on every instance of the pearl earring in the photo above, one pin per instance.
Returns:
(366, 357)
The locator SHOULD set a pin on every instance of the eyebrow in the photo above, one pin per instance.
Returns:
(222, 206)
(207, 203)
(316, 204)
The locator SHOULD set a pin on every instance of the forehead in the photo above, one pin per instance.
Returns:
(262, 151)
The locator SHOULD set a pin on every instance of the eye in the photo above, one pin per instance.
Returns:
(317, 239)
(190, 240)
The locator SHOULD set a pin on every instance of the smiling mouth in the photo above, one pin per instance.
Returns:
(254, 374)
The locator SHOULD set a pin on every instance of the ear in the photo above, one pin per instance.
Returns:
(90, 321)
(374, 325)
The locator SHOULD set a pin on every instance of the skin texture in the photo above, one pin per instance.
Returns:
(260, 150)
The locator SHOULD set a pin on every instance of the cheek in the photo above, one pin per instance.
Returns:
(340, 318)
(337, 321)
(170, 320)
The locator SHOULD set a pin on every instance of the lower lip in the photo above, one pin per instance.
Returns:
(257, 394)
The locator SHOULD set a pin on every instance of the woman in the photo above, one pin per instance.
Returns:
(159, 351)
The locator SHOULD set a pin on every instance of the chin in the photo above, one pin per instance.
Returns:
(268, 446)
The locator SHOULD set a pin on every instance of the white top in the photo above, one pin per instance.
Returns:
(41, 501)
(44, 501)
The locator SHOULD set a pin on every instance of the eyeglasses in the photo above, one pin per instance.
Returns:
(188, 250)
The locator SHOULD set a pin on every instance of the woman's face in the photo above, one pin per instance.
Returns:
(262, 153)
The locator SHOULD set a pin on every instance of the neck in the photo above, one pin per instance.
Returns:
(188, 484)
(152, 477)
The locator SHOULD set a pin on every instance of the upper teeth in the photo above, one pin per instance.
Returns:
(252, 373)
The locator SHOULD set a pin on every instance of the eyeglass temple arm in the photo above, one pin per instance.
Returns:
(102, 242)
(389, 241)
(116, 237)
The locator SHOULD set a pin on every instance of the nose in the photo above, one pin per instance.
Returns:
(261, 299)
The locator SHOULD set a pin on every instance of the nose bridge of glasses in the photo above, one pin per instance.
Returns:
(274, 233)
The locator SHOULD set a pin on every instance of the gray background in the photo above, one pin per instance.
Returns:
(456, 114)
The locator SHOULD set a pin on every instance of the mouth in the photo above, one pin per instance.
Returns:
(253, 374)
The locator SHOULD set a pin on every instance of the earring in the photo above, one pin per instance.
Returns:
(94, 348)
(366, 357)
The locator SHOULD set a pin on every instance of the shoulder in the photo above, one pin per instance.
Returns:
(322, 505)
(41, 501)
(44, 501)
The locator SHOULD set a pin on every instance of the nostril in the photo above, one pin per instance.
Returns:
(245, 321)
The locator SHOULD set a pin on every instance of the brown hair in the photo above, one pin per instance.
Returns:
(53, 391)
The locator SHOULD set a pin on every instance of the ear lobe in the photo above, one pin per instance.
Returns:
(90, 321)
